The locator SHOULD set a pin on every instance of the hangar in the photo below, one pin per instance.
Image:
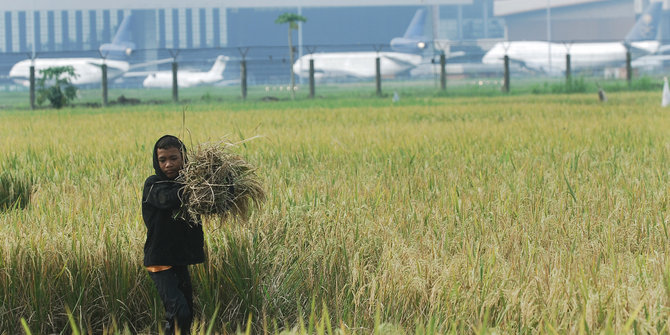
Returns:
(571, 20)
(80, 25)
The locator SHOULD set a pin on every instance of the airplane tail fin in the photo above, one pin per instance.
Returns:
(646, 27)
(415, 28)
(123, 34)
(414, 39)
(122, 44)
(219, 65)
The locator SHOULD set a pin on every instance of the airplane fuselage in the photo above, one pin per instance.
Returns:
(186, 78)
(551, 57)
(356, 64)
(163, 79)
(87, 70)
(535, 55)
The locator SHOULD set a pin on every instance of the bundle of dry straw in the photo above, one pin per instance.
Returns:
(220, 183)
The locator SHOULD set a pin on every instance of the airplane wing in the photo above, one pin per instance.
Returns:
(644, 48)
(455, 54)
(522, 64)
(138, 65)
(135, 74)
(139, 74)
(651, 61)
(94, 64)
(399, 60)
(153, 62)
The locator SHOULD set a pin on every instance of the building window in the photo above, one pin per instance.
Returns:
(202, 28)
(3, 42)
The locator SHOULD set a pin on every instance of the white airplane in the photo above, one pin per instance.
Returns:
(534, 55)
(187, 78)
(357, 64)
(658, 61)
(87, 70)
(362, 64)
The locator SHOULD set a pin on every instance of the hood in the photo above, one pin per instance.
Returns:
(157, 167)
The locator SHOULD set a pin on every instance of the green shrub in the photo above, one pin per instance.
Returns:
(56, 86)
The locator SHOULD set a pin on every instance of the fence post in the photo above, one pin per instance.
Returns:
(311, 78)
(175, 82)
(568, 64)
(568, 70)
(629, 67)
(378, 76)
(243, 71)
(104, 84)
(243, 78)
(32, 86)
(506, 83)
(292, 72)
(443, 71)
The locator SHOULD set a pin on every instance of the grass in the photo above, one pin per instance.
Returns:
(331, 94)
(503, 214)
(15, 190)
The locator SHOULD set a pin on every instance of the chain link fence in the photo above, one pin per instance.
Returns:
(263, 72)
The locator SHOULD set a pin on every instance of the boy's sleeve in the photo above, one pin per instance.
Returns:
(162, 194)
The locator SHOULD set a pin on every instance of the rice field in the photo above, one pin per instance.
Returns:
(523, 214)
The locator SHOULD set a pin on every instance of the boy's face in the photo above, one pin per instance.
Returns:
(170, 161)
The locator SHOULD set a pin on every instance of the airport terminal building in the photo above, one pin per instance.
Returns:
(77, 25)
(573, 20)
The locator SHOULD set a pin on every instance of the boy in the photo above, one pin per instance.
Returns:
(174, 239)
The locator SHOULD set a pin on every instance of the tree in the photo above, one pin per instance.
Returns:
(56, 86)
(292, 19)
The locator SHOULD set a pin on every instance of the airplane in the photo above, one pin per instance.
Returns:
(87, 70)
(654, 62)
(534, 55)
(122, 45)
(186, 78)
(362, 64)
(413, 41)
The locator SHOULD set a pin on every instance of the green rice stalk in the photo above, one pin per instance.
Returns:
(15, 190)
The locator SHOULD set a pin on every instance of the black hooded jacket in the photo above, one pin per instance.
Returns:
(171, 238)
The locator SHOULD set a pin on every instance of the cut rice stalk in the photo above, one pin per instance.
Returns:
(220, 183)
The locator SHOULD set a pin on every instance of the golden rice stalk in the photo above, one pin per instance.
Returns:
(220, 183)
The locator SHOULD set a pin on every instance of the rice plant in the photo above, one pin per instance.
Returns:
(15, 190)
(524, 214)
